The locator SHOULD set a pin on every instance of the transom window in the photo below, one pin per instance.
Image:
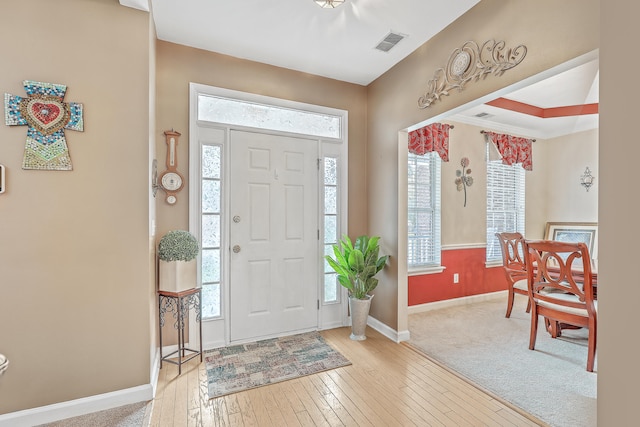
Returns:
(251, 114)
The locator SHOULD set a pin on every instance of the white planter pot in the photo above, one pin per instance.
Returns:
(359, 309)
(177, 276)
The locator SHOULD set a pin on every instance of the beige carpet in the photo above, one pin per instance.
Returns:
(134, 415)
(478, 342)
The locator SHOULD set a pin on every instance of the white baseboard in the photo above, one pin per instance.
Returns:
(404, 336)
(210, 345)
(385, 330)
(455, 302)
(155, 372)
(332, 325)
(77, 407)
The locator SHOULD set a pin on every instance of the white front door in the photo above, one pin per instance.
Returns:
(273, 234)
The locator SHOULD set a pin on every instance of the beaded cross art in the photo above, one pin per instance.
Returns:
(47, 116)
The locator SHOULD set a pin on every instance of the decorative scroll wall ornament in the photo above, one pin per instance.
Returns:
(47, 116)
(470, 62)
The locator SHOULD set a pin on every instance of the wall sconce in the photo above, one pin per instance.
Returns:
(4, 363)
(586, 180)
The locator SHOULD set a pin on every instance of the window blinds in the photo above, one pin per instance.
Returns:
(423, 210)
(505, 202)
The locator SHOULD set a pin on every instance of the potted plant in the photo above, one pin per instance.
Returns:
(357, 264)
(177, 251)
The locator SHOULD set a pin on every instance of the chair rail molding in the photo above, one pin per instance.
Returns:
(471, 62)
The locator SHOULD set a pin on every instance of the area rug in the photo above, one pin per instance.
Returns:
(479, 343)
(245, 366)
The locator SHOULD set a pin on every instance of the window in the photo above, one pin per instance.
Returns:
(242, 113)
(331, 225)
(210, 216)
(505, 203)
(423, 211)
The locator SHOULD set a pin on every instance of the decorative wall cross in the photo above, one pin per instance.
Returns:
(47, 116)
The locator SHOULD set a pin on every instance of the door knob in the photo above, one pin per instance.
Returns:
(236, 249)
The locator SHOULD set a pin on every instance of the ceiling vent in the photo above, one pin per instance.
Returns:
(483, 115)
(389, 42)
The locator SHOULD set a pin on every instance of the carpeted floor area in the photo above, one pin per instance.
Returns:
(134, 415)
(478, 342)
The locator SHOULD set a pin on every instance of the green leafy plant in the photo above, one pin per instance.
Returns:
(178, 245)
(357, 263)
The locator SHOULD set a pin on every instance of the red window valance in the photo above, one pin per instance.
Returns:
(512, 149)
(433, 137)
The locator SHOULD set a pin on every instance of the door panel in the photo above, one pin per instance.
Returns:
(273, 235)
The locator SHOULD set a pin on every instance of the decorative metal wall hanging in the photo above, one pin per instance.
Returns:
(47, 116)
(586, 180)
(470, 62)
(463, 179)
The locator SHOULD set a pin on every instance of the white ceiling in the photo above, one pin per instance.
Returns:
(298, 34)
(340, 44)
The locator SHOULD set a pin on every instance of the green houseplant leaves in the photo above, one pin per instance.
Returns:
(357, 264)
(178, 245)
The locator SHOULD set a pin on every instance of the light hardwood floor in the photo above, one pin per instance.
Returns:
(388, 384)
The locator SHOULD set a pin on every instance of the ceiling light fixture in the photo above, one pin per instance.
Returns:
(325, 4)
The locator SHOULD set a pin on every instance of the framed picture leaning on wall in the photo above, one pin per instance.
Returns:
(586, 232)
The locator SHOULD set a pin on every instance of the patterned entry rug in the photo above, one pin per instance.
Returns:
(244, 366)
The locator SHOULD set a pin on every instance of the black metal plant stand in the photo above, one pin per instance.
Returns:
(180, 303)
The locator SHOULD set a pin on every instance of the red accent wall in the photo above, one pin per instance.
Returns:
(475, 278)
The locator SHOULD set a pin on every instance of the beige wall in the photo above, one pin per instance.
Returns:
(568, 156)
(618, 374)
(74, 273)
(74, 260)
(152, 202)
(551, 38)
(553, 190)
(571, 29)
(460, 224)
(179, 65)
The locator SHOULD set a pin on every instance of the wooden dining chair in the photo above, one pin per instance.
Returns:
(513, 264)
(560, 288)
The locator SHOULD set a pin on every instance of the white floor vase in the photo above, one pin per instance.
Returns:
(359, 309)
